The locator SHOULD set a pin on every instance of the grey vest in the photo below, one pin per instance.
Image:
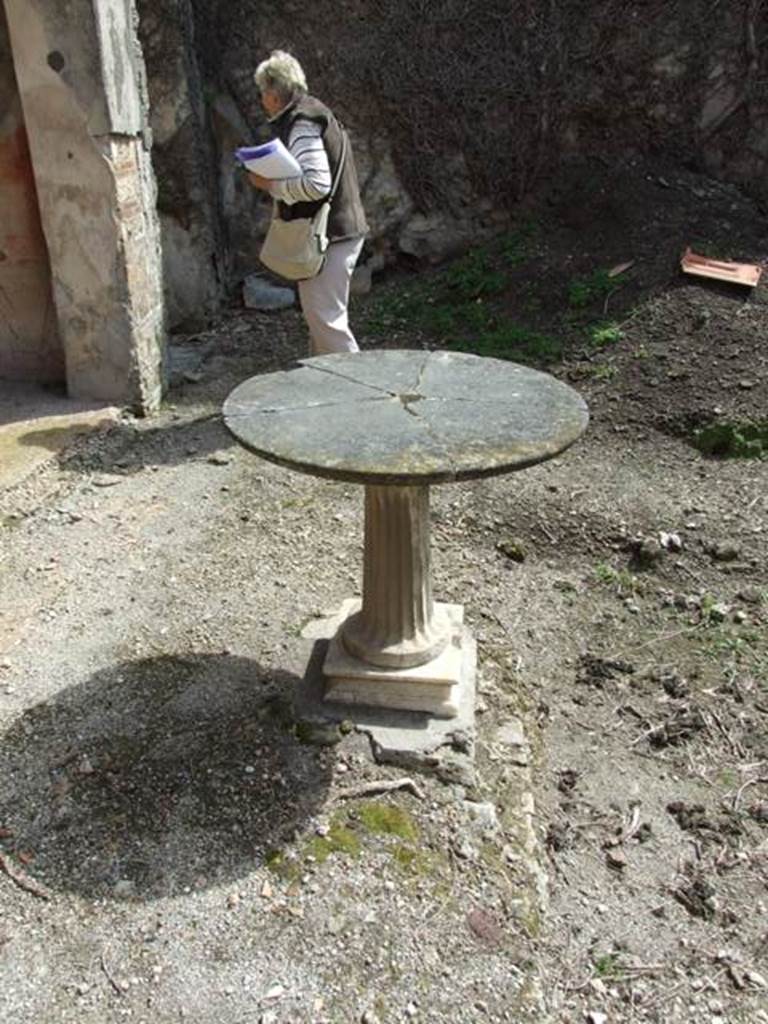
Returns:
(346, 218)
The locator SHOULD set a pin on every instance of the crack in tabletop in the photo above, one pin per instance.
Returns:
(236, 413)
(366, 384)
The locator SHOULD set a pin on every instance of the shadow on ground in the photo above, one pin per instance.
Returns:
(128, 449)
(157, 777)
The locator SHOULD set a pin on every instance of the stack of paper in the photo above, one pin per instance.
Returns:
(272, 160)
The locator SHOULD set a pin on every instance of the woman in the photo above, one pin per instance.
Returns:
(314, 137)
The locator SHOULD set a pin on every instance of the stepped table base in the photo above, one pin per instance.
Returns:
(434, 686)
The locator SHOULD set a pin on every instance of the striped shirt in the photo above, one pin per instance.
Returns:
(305, 142)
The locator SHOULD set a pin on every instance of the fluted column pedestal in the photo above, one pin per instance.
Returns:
(398, 625)
(398, 647)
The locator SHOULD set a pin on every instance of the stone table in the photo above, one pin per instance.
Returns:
(398, 422)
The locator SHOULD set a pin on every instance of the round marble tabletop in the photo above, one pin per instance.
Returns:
(405, 417)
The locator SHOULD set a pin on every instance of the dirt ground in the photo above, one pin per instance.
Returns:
(173, 851)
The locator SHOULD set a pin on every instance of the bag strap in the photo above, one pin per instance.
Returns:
(340, 168)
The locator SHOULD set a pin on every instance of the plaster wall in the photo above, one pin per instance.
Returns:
(30, 348)
(80, 77)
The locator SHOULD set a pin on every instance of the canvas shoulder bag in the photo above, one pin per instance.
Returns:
(295, 249)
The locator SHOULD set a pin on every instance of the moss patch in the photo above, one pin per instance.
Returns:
(383, 818)
(287, 868)
(416, 862)
(340, 839)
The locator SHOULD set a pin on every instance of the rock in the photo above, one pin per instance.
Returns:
(319, 734)
(718, 612)
(673, 683)
(485, 927)
(465, 850)
(106, 480)
(513, 548)
(595, 1017)
(511, 735)
(336, 925)
(647, 552)
(259, 293)
(724, 551)
(219, 459)
(482, 815)
(750, 595)
(671, 541)
(455, 769)
(434, 237)
(361, 282)
(462, 741)
(567, 780)
(124, 889)
(387, 204)
(616, 859)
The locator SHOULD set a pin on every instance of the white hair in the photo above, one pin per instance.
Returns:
(281, 73)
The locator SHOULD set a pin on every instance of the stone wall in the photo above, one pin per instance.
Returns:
(459, 110)
(195, 257)
(30, 348)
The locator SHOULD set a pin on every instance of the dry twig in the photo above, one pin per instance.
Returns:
(749, 782)
(22, 879)
(736, 747)
(116, 987)
(380, 786)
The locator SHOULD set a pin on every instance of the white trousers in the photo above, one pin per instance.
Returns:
(324, 300)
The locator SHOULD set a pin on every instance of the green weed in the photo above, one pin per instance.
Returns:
(584, 291)
(724, 642)
(740, 439)
(458, 305)
(515, 248)
(474, 276)
(602, 335)
(608, 965)
(511, 341)
(604, 371)
(605, 573)
(623, 581)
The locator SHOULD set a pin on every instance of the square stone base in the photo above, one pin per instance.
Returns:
(432, 687)
(411, 739)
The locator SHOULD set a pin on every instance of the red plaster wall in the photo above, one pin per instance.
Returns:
(29, 344)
